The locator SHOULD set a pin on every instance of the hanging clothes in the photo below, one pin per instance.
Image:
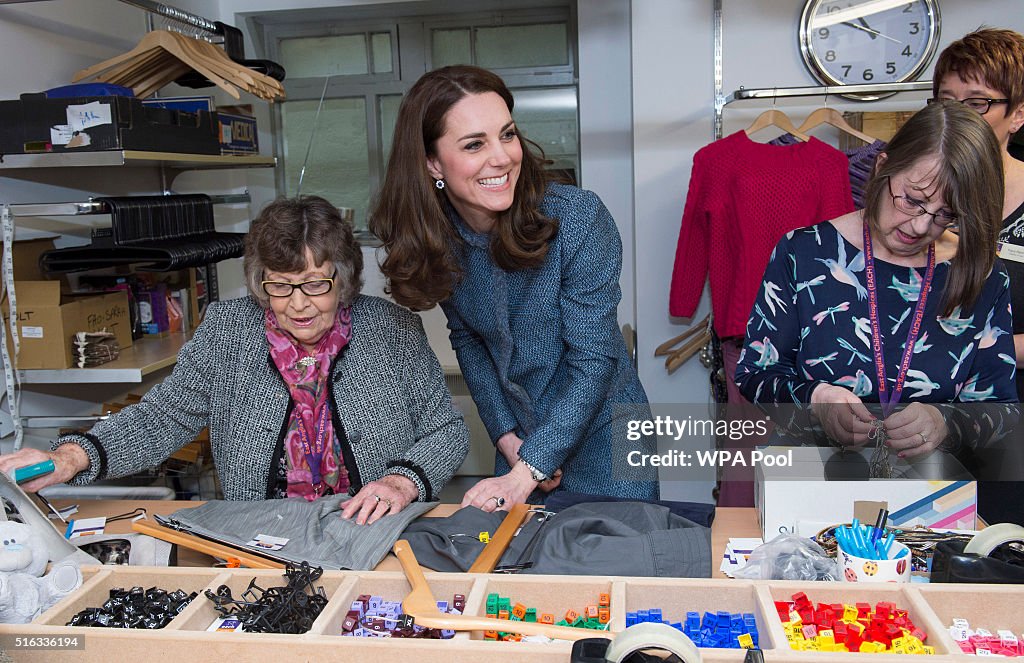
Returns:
(862, 163)
(743, 197)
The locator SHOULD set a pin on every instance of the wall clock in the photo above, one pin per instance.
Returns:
(853, 42)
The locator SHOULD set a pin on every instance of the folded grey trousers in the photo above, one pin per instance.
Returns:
(316, 532)
(593, 538)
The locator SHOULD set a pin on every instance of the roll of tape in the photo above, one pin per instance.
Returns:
(990, 538)
(649, 635)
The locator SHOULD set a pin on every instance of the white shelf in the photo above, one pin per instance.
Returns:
(116, 158)
(146, 355)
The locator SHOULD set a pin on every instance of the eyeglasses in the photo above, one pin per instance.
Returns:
(979, 104)
(914, 207)
(312, 288)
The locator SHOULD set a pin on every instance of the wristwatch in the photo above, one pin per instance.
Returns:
(537, 475)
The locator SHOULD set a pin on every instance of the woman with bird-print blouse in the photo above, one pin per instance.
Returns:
(883, 318)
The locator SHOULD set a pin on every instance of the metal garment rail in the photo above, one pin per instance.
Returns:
(96, 207)
(159, 8)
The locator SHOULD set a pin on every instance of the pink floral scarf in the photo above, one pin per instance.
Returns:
(312, 452)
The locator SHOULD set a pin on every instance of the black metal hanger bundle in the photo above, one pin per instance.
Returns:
(154, 233)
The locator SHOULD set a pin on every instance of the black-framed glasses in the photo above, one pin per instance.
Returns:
(979, 104)
(311, 288)
(915, 207)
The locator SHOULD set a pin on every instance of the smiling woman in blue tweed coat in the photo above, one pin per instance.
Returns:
(308, 388)
(527, 273)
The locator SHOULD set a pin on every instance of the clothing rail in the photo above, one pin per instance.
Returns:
(176, 14)
(96, 207)
(824, 90)
(160, 8)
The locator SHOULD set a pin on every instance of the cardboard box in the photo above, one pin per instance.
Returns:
(937, 493)
(48, 320)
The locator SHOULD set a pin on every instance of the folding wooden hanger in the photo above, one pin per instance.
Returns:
(696, 337)
(832, 117)
(668, 347)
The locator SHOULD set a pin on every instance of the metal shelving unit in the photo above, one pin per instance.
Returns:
(132, 158)
(146, 355)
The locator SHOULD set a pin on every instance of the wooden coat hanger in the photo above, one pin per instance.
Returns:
(832, 117)
(775, 118)
(668, 347)
(696, 337)
(161, 57)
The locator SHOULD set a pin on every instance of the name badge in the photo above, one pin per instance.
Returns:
(1013, 252)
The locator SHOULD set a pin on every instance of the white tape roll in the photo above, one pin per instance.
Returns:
(649, 635)
(993, 536)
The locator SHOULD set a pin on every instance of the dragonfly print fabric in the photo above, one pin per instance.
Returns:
(810, 324)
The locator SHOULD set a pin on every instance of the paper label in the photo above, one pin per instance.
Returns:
(227, 624)
(268, 542)
(31, 332)
(61, 134)
(83, 116)
(86, 527)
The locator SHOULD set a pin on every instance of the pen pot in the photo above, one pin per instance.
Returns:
(861, 569)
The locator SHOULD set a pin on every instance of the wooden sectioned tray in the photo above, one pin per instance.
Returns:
(931, 607)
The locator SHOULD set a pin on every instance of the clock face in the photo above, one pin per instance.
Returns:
(853, 42)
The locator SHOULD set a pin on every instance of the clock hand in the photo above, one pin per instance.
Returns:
(872, 32)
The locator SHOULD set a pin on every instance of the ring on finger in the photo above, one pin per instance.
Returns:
(388, 502)
(924, 438)
(378, 498)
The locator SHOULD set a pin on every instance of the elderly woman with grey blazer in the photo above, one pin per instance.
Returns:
(308, 388)
(527, 273)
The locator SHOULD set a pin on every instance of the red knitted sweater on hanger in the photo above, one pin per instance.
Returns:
(744, 196)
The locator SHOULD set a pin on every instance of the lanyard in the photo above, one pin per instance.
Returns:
(889, 402)
(315, 454)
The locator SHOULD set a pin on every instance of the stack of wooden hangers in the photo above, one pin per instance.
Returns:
(161, 57)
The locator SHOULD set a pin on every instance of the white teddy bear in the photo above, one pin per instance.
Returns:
(25, 592)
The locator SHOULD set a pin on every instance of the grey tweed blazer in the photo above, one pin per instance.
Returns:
(393, 413)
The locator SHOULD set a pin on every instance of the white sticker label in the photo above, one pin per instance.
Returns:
(268, 542)
(84, 116)
(61, 134)
(1009, 251)
(31, 332)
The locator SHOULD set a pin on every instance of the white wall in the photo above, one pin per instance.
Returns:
(673, 102)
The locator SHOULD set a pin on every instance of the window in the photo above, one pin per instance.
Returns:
(362, 65)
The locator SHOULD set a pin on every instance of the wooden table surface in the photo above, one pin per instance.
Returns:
(729, 522)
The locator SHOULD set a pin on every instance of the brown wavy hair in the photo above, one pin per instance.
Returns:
(970, 175)
(409, 216)
(279, 236)
(992, 56)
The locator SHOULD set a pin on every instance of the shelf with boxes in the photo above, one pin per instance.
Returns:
(148, 354)
(931, 608)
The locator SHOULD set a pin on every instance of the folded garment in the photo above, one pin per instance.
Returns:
(315, 530)
(598, 538)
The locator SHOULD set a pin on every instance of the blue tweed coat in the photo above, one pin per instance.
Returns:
(392, 411)
(542, 353)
